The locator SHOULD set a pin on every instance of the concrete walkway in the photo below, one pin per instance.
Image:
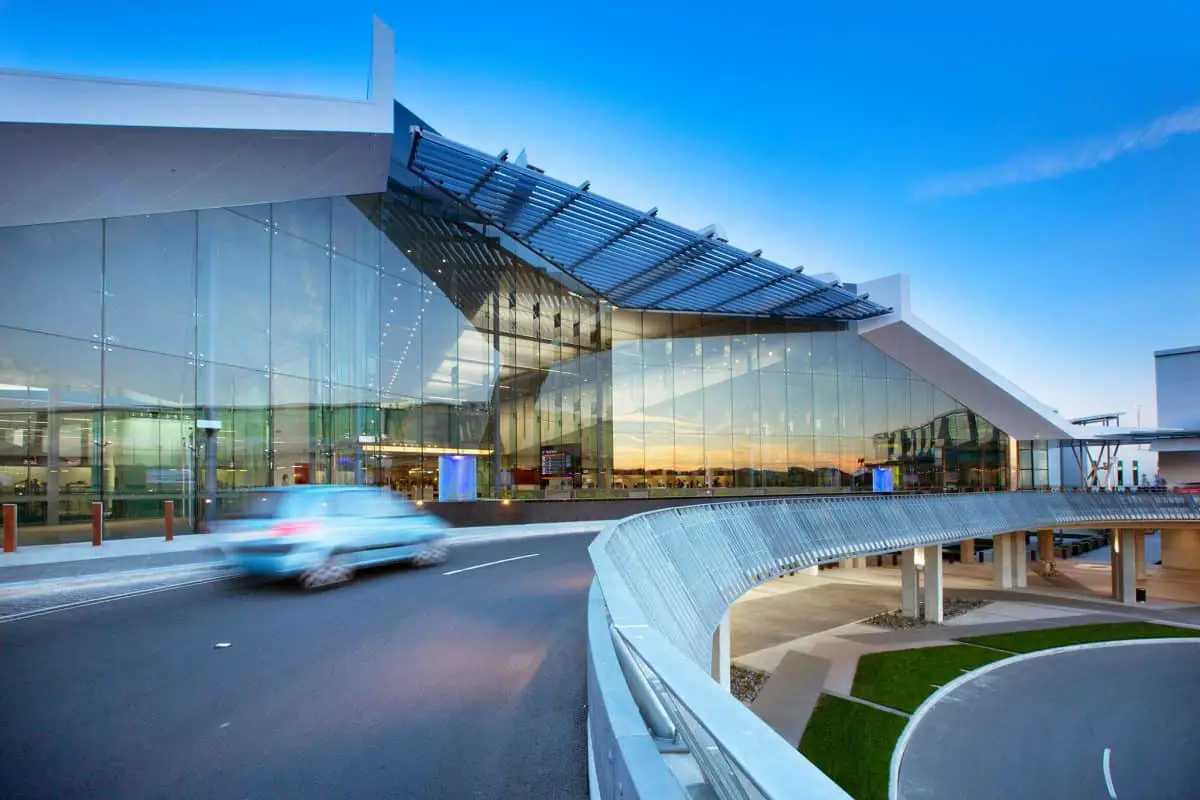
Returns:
(806, 631)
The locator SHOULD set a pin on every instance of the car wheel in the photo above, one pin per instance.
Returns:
(431, 555)
(334, 571)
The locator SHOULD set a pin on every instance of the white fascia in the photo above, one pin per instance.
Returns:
(52, 99)
(934, 357)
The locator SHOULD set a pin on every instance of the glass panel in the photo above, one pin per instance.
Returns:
(874, 362)
(849, 356)
(400, 341)
(52, 278)
(771, 350)
(825, 353)
(150, 282)
(299, 309)
(850, 402)
(800, 351)
(898, 410)
(136, 378)
(356, 228)
(50, 453)
(299, 430)
(773, 400)
(718, 403)
(355, 324)
(234, 290)
(802, 404)
(920, 395)
(306, 219)
(238, 398)
(825, 405)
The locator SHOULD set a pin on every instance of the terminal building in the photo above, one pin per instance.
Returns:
(207, 291)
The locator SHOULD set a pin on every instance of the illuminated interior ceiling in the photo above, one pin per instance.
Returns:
(632, 258)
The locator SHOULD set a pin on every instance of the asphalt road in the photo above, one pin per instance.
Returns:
(1039, 729)
(402, 684)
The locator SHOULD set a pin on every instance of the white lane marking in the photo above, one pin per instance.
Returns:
(949, 688)
(491, 563)
(1108, 774)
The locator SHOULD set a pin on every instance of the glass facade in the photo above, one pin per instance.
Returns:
(357, 339)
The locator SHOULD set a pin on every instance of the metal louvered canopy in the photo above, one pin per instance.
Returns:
(632, 258)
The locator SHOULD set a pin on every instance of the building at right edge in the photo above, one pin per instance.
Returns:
(1177, 441)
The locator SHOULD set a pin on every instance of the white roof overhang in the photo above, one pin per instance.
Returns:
(75, 147)
(932, 356)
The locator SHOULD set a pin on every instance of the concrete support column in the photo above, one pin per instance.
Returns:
(909, 583)
(933, 584)
(814, 570)
(721, 671)
(1001, 557)
(1045, 546)
(1139, 553)
(846, 563)
(1019, 553)
(1123, 552)
(967, 551)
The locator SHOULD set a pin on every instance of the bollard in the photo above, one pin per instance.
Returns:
(97, 524)
(10, 527)
(169, 513)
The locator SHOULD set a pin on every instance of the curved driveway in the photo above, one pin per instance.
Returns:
(404, 684)
(1039, 728)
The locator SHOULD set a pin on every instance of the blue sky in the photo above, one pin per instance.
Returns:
(1035, 167)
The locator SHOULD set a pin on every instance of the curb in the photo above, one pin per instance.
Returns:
(940, 694)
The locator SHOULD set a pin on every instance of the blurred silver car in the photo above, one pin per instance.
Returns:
(322, 534)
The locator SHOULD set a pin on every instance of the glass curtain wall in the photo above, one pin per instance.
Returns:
(357, 340)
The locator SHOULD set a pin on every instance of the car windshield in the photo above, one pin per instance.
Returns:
(255, 505)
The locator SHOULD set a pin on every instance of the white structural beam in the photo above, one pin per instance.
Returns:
(908, 339)
(722, 669)
(909, 583)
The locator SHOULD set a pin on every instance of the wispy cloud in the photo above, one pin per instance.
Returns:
(1040, 165)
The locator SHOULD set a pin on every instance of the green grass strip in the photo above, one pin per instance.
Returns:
(1031, 641)
(904, 678)
(852, 744)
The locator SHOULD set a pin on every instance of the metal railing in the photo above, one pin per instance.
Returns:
(665, 579)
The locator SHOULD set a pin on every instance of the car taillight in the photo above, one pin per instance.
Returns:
(292, 528)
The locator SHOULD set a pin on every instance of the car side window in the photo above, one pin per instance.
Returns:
(351, 504)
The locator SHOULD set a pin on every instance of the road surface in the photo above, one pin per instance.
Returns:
(402, 684)
(1041, 728)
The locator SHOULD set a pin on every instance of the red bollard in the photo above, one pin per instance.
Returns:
(97, 524)
(10, 527)
(169, 513)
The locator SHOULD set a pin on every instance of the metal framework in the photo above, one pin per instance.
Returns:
(631, 258)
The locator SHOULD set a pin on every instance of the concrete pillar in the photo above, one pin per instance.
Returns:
(1019, 555)
(967, 551)
(1045, 546)
(846, 563)
(909, 583)
(1001, 561)
(1139, 553)
(933, 584)
(814, 570)
(1123, 552)
(721, 671)
(1181, 548)
(860, 563)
